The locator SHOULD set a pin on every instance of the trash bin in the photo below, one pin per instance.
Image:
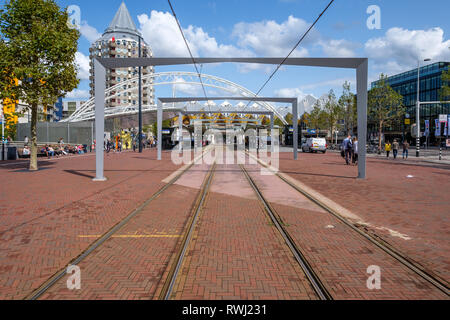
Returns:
(12, 153)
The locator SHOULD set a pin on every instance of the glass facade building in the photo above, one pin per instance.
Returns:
(430, 87)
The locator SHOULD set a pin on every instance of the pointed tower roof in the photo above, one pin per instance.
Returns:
(122, 22)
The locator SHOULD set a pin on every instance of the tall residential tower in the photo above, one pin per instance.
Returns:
(121, 40)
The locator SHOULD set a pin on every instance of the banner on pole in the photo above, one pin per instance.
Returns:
(437, 133)
(427, 128)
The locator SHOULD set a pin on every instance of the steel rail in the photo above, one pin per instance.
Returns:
(412, 265)
(169, 284)
(313, 278)
(37, 293)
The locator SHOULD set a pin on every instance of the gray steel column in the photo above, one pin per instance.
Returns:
(140, 100)
(180, 132)
(100, 87)
(272, 121)
(295, 124)
(159, 124)
(361, 80)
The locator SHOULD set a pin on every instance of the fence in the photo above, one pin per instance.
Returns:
(51, 132)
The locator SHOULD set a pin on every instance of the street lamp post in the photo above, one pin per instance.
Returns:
(418, 108)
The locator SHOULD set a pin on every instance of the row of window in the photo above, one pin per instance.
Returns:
(432, 68)
(429, 111)
(430, 83)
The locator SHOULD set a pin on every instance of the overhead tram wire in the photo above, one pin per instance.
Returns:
(190, 52)
(292, 51)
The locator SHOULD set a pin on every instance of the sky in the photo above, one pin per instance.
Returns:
(410, 29)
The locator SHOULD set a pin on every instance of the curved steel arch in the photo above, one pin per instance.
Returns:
(87, 110)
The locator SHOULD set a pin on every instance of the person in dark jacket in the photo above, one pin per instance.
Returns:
(348, 148)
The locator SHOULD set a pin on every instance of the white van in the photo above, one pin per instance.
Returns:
(315, 145)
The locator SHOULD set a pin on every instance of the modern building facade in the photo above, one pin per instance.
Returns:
(121, 40)
(70, 107)
(430, 87)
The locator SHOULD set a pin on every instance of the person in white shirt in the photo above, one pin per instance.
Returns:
(26, 151)
(355, 150)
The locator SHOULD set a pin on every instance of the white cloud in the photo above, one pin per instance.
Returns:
(399, 49)
(161, 32)
(338, 48)
(89, 32)
(271, 39)
(82, 62)
(78, 94)
(290, 92)
(188, 88)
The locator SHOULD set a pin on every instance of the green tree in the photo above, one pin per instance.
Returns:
(347, 102)
(333, 113)
(289, 118)
(385, 106)
(38, 48)
(445, 90)
(317, 118)
(278, 122)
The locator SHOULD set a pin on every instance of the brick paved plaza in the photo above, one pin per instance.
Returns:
(52, 216)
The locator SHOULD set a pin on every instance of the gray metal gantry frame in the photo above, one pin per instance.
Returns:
(292, 101)
(359, 64)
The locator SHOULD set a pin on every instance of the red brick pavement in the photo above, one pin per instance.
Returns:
(339, 255)
(417, 207)
(132, 265)
(235, 252)
(44, 212)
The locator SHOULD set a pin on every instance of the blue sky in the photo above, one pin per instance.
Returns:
(409, 28)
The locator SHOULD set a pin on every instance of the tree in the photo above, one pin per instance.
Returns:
(347, 102)
(385, 106)
(317, 117)
(289, 118)
(278, 122)
(333, 112)
(37, 47)
(445, 90)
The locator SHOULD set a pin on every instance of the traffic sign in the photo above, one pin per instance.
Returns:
(407, 116)
(407, 121)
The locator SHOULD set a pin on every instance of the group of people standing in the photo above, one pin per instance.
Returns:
(349, 150)
(395, 147)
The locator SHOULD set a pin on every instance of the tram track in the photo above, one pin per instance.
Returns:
(317, 284)
(402, 258)
(53, 280)
(176, 267)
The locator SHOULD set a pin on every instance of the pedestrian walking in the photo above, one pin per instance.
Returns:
(395, 148)
(405, 149)
(26, 141)
(388, 148)
(348, 147)
(134, 144)
(355, 151)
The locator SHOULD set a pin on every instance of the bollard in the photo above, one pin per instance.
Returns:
(440, 153)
